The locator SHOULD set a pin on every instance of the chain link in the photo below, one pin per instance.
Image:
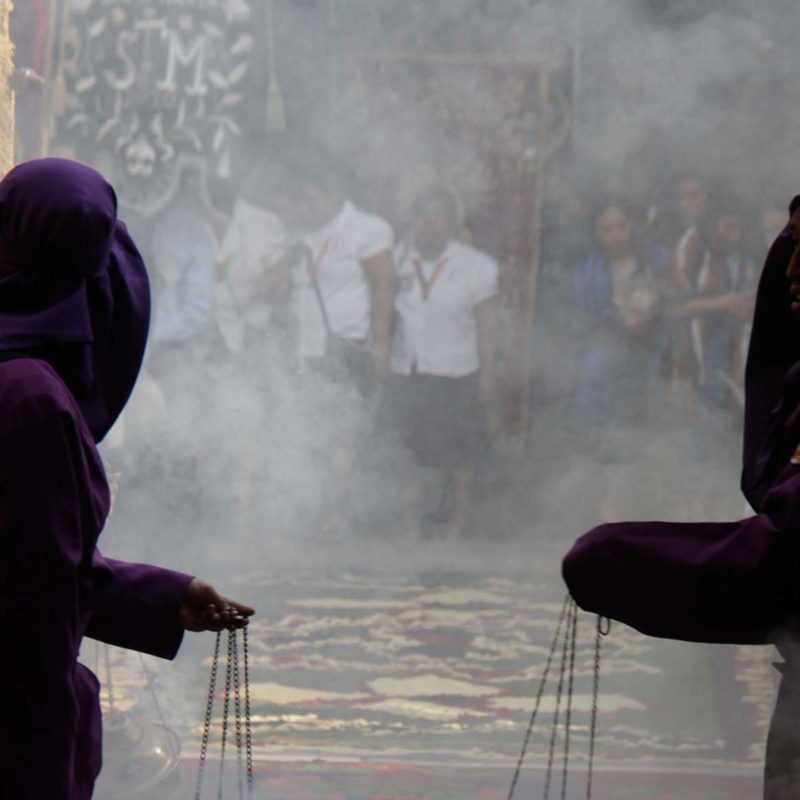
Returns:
(538, 702)
(603, 629)
(572, 633)
(568, 640)
(237, 709)
(559, 695)
(233, 684)
(212, 683)
(248, 738)
(226, 704)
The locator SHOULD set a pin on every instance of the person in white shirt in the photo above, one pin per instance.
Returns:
(183, 257)
(443, 347)
(342, 301)
(253, 244)
(342, 286)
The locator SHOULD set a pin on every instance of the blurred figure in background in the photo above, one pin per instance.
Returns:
(642, 183)
(690, 203)
(443, 351)
(719, 307)
(184, 253)
(172, 401)
(250, 311)
(710, 330)
(249, 256)
(342, 300)
(618, 294)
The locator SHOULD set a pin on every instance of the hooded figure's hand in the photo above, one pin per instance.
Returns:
(204, 609)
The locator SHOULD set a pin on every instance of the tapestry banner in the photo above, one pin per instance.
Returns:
(149, 84)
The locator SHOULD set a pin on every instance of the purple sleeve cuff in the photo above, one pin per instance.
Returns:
(136, 606)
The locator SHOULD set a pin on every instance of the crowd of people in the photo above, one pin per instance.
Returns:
(382, 340)
(395, 337)
(660, 293)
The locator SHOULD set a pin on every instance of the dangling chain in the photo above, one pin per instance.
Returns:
(538, 699)
(569, 611)
(248, 739)
(573, 627)
(237, 705)
(559, 695)
(212, 683)
(226, 703)
(233, 679)
(603, 629)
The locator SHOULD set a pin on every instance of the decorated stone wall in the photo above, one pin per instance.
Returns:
(152, 84)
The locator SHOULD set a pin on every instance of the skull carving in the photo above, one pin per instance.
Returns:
(140, 158)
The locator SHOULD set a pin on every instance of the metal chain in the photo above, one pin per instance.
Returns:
(603, 629)
(237, 710)
(538, 702)
(212, 683)
(248, 738)
(109, 683)
(557, 711)
(233, 680)
(572, 633)
(569, 611)
(226, 703)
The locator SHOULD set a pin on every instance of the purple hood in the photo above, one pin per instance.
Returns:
(73, 287)
(772, 382)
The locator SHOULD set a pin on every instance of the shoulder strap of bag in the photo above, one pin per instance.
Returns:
(312, 266)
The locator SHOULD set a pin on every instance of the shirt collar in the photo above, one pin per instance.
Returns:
(335, 225)
(446, 254)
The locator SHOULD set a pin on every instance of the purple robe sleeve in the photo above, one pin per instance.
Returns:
(735, 582)
(136, 606)
(719, 582)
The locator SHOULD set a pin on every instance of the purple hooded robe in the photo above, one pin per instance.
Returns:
(74, 313)
(726, 582)
(720, 582)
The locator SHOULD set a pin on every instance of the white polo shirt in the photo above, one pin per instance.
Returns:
(439, 334)
(337, 251)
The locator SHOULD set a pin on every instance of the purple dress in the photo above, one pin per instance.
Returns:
(74, 306)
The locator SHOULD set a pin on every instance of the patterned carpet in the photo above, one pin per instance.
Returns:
(404, 684)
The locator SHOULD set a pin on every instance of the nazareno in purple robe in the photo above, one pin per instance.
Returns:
(74, 314)
(719, 582)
